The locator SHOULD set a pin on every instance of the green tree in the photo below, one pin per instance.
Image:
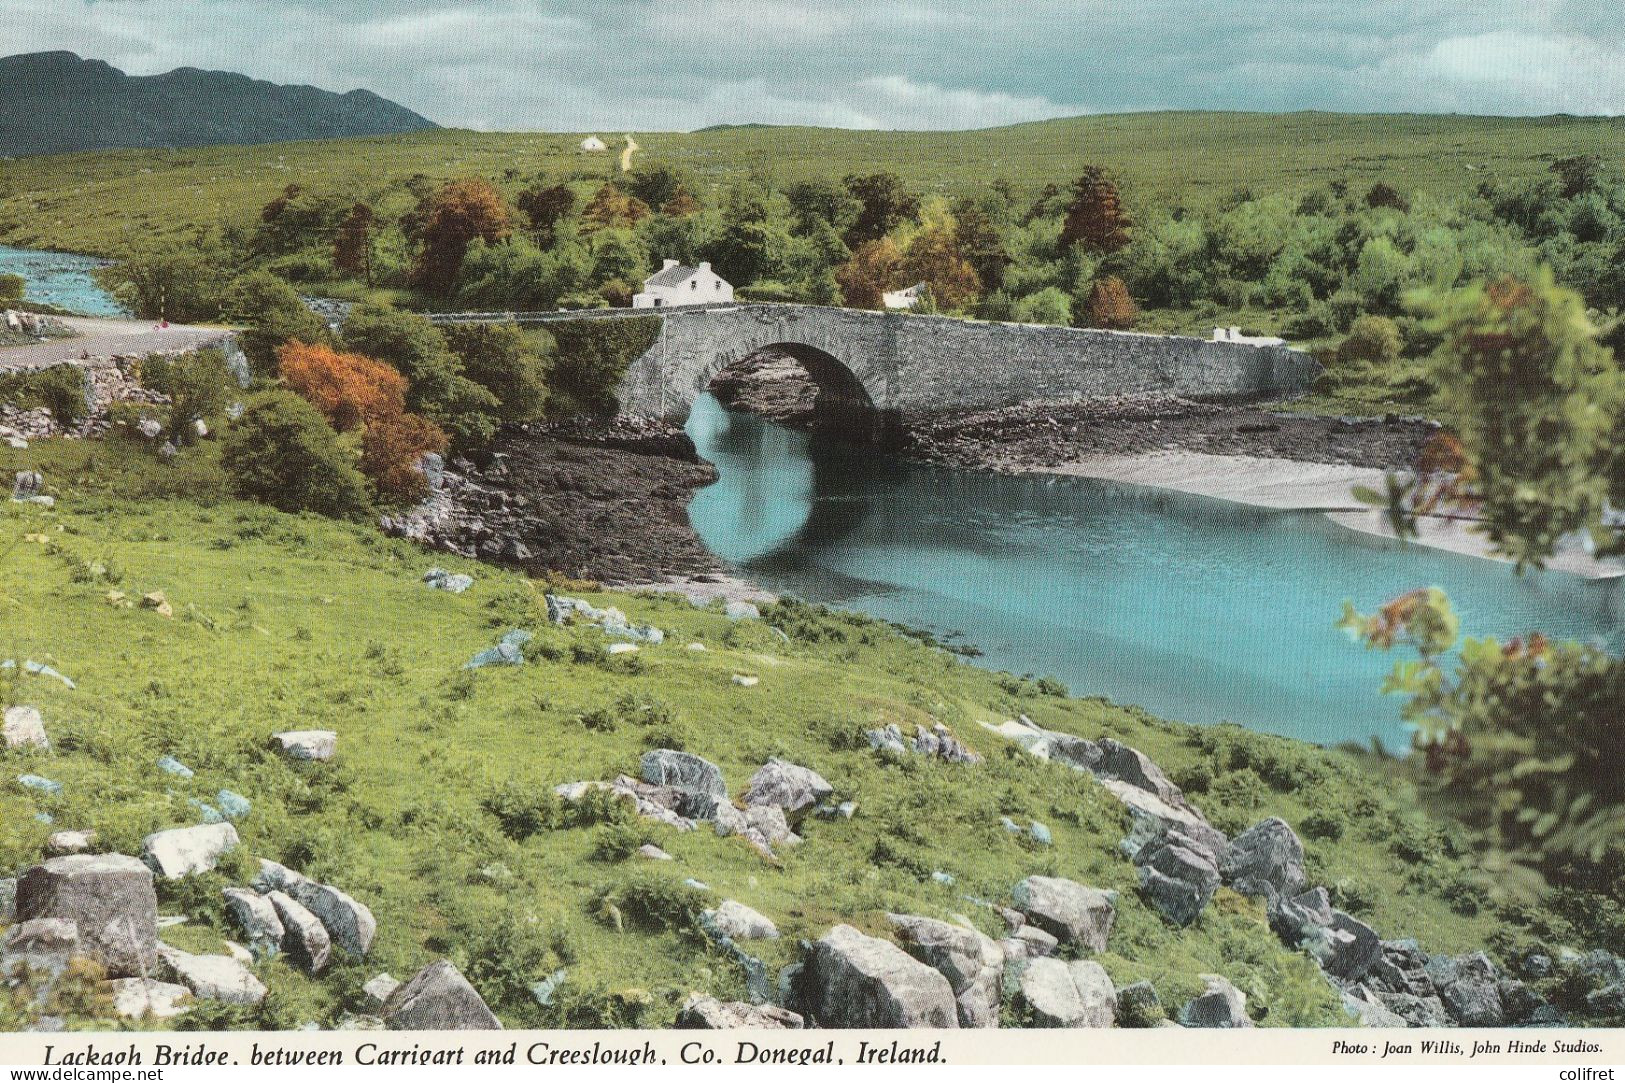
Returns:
(166, 280)
(1372, 339)
(199, 384)
(546, 207)
(281, 452)
(437, 389)
(1096, 218)
(1048, 305)
(271, 314)
(11, 289)
(884, 204)
(503, 360)
(352, 244)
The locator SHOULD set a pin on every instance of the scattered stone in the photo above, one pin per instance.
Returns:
(850, 980)
(159, 604)
(440, 579)
(143, 998)
(213, 977)
(40, 783)
(304, 937)
(946, 879)
(788, 786)
(39, 669)
(1368, 1010)
(308, 744)
(24, 728)
(938, 742)
(233, 806)
(653, 853)
(1468, 988)
(697, 646)
(1029, 942)
(47, 944)
(1266, 860)
(738, 921)
(110, 900)
(1040, 834)
(1078, 994)
(684, 772)
(1178, 879)
(149, 427)
(171, 766)
(742, 611)
(70, 842)
(1345, 949)
(542, 991)
(185, 851)
(240, 953)
(349, 924)
(1222, 1005)
(745, 680)
(1067, 910)
(1138, 1006)
(381, 988)
(970, 960)
(258, 918)
(507, 652)
(708, 1013)
(438, 997)
(621, 648)
(28, 483)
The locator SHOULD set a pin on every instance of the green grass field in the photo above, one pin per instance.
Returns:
(288, 621)
(100, 202)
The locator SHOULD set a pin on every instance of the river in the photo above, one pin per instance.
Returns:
(60, 278)
(1197, 609)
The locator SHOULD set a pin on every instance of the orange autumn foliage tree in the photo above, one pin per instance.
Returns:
(446, 222)
(349, 390)
(352, 391)
(390, 449)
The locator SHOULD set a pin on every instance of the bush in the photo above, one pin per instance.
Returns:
(11, 289)
(199, 386)
(593, 355)
(437, 388)
(274, 315)
(1048, 305)
(501, 359)
(61, 389)
(281, 452)
(1322, 825)
(653, 902)
(347, 388)
(1372, 339)
(390, 450)
(1109, 306)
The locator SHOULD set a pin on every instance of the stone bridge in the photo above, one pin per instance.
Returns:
(894, 362)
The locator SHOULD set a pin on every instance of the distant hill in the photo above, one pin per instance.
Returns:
(51, 103)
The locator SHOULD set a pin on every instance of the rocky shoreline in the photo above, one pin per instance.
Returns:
(607, 503)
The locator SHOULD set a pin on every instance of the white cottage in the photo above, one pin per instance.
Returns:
(675, 284)
(1233, 334)
(593, 143)
(907, 297)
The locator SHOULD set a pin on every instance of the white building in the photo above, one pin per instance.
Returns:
(1233, 334)
(592, 142)
(904, 298)
(675, 284)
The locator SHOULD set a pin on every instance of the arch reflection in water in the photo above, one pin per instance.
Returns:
(1198, 609)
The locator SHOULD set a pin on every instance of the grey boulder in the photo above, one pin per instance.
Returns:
(304, 937)
(257, 917)
(788, 786)
(1067, 910)
(110, 900)
(213, 977)
(1078, 994)
(971, 961)
(438, 997)
(1221, 1005)
(185, 851)
(709, 1013)
(692, 776)
(853, 981)
(1266, 860)
(24, 728)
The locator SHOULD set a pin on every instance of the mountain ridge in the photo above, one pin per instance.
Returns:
(58, 102)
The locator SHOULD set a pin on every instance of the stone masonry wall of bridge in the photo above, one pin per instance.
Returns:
(921, 363)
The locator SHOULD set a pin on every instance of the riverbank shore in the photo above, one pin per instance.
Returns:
(1243, 453)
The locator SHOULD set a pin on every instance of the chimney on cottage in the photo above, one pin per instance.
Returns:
(705, 266)
(667, 264)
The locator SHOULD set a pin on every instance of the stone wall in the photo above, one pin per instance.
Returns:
(921, 363)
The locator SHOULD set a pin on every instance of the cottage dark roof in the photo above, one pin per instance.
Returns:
(671, 276)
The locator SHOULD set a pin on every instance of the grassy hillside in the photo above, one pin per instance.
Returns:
(286, 622)
(97, 202)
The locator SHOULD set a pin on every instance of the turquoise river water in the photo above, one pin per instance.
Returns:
(61, 279)
(1197, 609)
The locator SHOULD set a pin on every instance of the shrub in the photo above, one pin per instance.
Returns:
(348, 389)
(11, 289)
(1048, 305)
(501, 359)
(274, 314)
(60, 389)
(1109, 306)
(1373, 339)
(652, 902)
(281, 452)
(522, 810)
(593, 355)
(390, 451)
(1322, 825)
(436, 389)
(199, 386)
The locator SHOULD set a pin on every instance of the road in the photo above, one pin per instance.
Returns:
(626, 155)
(101, 339)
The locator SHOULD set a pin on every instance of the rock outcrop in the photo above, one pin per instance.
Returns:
(110, 900)
(438, 997)
(1067, 910)
(852, 981)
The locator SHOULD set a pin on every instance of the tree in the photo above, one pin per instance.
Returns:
(822, 202)
(546, 207)
(933, 257)
(1048, 305)
(1383, 194)
(1577, 174)
(390, 451)
(272, 314)
(436, 386)
(681, 204)
(500, 358)
(1096, 218)
(1527, 730)
(884, 204)
(282, 453)
(167, 280)
(11, 289)
(979, 238)
(1109, 306)
(875, 267)
(657, 183)
(1373, 339)
(199, 385)
(445, 222)
(349, 390)
(352, 244)
(296, 219)
(611, 208)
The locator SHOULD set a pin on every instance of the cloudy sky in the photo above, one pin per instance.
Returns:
(575, 65)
